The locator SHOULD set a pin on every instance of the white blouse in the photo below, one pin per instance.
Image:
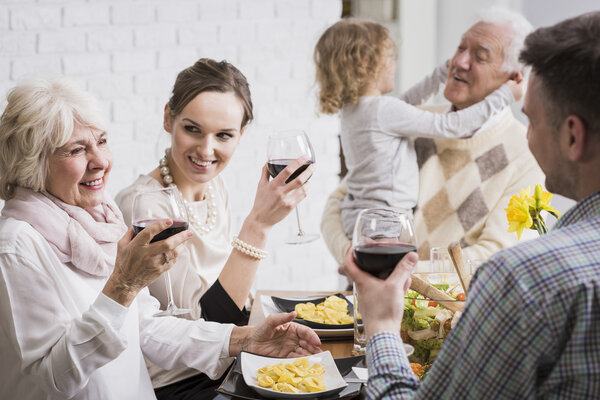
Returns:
(61, 337)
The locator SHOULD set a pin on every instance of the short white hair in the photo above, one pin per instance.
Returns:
(519, 27)
(40, 117)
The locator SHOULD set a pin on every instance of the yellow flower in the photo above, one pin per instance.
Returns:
(518, 215)
(526, 197)
(525, 210)
(542, 201)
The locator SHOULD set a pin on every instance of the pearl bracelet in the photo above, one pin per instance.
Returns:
(248, 249)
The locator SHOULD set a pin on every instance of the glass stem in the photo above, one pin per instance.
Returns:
(300, 231)
(170, 302)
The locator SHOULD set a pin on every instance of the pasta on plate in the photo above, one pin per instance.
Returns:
(333, 311)
(296, 377)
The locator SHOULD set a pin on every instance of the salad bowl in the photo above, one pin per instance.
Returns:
(426, 322)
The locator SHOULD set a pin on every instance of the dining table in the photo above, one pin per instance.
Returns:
(340, 348)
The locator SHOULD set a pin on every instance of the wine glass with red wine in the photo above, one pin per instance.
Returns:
(382, 236)
(153, 205)
(283, 148)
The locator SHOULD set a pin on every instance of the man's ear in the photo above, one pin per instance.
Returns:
(577, 139)
(167, 119)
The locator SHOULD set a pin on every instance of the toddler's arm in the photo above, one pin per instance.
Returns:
(399, 118)
(429, 86)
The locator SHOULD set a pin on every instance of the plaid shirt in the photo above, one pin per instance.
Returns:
(530, 328)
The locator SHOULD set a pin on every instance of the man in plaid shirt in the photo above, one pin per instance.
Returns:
(531, 325)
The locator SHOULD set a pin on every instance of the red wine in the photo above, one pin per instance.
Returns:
(380, 257)
(178, 226)
(276, 166)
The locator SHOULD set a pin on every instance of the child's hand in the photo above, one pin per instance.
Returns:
(516, 88)
(516, 85)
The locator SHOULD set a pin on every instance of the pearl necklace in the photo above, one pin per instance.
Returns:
(211, 212)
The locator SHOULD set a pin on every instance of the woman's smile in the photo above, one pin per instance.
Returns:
(201, 163)
(95, 184)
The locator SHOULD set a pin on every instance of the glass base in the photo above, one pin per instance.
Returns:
(302, 238)
(172, 311)
(358, 350)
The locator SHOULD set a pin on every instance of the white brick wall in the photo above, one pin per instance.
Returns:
(128, 53)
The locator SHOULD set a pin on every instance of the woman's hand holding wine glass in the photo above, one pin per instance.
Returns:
(284, 148)
(148, 208)
(275, 199)
(140, 262)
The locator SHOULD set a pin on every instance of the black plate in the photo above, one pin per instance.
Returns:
(289, 305)
(234, 386)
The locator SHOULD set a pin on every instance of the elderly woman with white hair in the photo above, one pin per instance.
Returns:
(75, 314)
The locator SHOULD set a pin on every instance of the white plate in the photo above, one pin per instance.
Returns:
(251, 363)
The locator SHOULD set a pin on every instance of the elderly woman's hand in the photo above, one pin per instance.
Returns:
(276, 336)
(275, 198)
(140, 262)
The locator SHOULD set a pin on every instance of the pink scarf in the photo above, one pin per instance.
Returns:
(85, 238)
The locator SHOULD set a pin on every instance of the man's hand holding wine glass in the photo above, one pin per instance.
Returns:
(380, 316)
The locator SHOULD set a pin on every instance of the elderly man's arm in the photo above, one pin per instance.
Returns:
(331, 225)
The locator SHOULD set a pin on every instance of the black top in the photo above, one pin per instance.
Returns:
(217, 306)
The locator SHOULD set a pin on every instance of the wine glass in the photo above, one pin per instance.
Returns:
(382, 237)
(283, 148)
(153, 205)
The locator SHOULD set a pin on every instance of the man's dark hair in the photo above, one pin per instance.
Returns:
(565, 59)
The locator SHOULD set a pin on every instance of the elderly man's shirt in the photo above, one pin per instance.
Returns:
(531, 327)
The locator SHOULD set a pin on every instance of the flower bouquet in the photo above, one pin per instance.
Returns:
(524, 211)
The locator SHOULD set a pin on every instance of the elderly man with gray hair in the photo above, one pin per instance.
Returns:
(465, 184)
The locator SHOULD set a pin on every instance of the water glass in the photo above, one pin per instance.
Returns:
(439, 260)
(360, 339)
(472, 265)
